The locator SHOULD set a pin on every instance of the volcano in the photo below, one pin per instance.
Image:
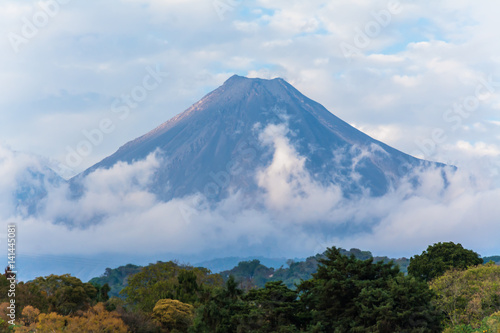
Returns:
(214, 146)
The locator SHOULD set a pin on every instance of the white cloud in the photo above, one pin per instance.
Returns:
(293, 216)
(289, 188)
(423, 61)
(428, 58)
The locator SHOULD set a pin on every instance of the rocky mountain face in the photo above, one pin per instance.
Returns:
(215, 146)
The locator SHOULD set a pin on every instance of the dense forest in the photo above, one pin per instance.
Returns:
(252, 274)
(444, 289)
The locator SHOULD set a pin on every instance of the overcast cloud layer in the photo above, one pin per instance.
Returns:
(422, 77)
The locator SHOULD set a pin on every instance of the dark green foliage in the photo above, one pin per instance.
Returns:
(26, 294)
(274, 308)
(439, 258)
(169, 280)
(187, 287)
(271, 308)
(102, 292)
(350, 295)
(220, 313)
(116, 278)
(338, 291)
(249, 274)
(65, 294)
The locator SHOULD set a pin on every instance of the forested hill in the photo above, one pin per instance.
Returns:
(345, 294)
(116, 278)
(250, 273)
(254, 274)
(495, 259)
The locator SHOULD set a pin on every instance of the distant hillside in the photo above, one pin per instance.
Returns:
(224, 264)
(249, 273)
(255, 272)
(116, 278)
(252, 274)
(495, 259)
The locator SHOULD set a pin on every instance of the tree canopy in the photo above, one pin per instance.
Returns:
(168, 280)
(467, 296)
(66, 294)
(439, 258)
(350, 295)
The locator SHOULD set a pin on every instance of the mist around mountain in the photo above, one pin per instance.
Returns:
(223, 143)
(254, 169)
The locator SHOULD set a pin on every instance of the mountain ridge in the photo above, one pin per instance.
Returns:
(203, 139)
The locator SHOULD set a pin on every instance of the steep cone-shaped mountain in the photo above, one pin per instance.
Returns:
(214, 145)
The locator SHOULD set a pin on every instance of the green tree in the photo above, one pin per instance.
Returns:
(273, 308)
(187, 288)
(26, 294)
(65, 294)
(220, 313)
(488, 324)
(102, 292)
(439, 258)
(466, 297)
(350, 295)
(173, 314)
(168, 280)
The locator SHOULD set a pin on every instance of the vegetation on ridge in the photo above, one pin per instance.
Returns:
(349, 291)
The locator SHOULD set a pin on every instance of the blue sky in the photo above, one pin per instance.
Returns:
(423, 77)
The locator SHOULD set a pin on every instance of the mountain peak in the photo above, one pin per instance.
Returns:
(235, 78)
(242, 82)
(201, 142)
(238, 78)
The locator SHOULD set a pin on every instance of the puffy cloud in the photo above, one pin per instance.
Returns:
(292, 216)
(289, 188)
(401, 87)
(419, 61)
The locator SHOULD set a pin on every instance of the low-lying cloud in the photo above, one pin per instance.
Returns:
(293, 215)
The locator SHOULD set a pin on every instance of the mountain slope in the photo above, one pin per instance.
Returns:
(25, 182)
(203, 146)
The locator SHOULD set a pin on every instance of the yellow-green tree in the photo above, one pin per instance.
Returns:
(466, 297)
(493, 322)
(169, 280)
(489, 324)
(173, 314)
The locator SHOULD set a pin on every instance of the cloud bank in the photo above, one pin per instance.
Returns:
(293, 216)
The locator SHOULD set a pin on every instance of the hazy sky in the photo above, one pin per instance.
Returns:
(409, 73)
(421, 76)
